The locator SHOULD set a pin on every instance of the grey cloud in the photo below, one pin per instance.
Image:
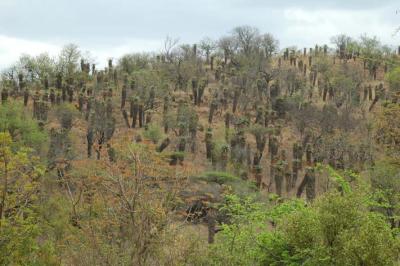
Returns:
(108, 21)
(107, 25)
(318, 4)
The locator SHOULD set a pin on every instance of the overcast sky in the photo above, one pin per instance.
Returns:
(115, 27)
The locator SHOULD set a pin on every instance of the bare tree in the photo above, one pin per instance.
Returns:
(184, 51)
(228, 46)
(207, 45)
(169, 45)
(246, 38)
(269, 44)
(341, 41)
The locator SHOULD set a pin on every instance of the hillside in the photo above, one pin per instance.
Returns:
(222, 153)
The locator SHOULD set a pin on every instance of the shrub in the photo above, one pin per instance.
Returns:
(153, 133)
(23, 130)
(338, 229)
(66, 114)
(218, 177)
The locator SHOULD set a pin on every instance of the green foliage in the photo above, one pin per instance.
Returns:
(278, 212)
(337, 178)
(218, 177)
(20, 175)
(346, 81)
(218, 148)
(385, 182)
(371, 48)
(153, 133)
(247, 239)
(393, 77)
(387, 132)
(133, 62)
(259, 130)
(19, 245)
(369, 243)
(68, 60)
(36, 68)
(323, 65)
(338, 229)
(175, 156)
(23, 130)
(239, 243)
(146, 78)
(66, 114)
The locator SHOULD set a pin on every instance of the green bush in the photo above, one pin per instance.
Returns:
(153, 133)
(66, 113)
(218, 177)
(338, 229)
(23, 129)
(393, 77)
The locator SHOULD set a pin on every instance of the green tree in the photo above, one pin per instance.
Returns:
(20, 174)
(393, 77)
(339, 228)
(22, 129)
